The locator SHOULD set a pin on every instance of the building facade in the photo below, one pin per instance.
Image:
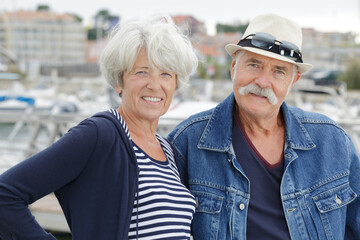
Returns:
(189, 25)
(329, 50)
(43, 38)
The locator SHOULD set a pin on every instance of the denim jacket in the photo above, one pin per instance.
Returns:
(319, 187)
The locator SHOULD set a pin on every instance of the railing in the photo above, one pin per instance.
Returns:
(352, 127)
(53, 126)
(56, 125)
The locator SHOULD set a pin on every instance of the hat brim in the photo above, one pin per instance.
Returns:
(232, 48)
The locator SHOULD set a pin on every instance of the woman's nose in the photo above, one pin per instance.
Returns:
(153, 82)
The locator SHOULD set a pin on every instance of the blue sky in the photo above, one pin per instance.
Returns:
(323, 15)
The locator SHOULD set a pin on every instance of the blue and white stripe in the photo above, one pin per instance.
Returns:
(163, 207)
(122, 122)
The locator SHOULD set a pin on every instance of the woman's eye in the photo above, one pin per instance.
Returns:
(166, 74)
(141, 73)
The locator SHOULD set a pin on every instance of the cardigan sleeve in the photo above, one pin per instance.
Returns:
(39, 175)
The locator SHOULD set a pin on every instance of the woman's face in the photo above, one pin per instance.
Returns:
(146, 92)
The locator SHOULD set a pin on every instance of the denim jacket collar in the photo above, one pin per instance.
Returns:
(217, 135)
(297, 137)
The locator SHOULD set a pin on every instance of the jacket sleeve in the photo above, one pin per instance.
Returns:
(353, 210)
(39, 175)
(179, 154)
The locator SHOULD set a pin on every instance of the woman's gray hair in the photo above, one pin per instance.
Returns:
(167, 49)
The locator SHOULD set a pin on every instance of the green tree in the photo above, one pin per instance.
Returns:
(93, 33)
(104, 22)
(77, 17)
(231, 28)
(352, 75)
(43, 7)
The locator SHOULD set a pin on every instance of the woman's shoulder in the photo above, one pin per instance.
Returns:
(109, 119)
(105, 125)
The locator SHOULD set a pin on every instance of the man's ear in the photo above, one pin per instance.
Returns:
(297, 77)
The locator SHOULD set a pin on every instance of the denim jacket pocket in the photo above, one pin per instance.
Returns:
(207, 213)
(331, 206)
(334, 198)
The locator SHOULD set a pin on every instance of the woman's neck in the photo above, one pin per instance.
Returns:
(140, 129)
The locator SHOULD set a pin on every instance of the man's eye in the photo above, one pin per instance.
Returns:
(279, 72)
(253, 67)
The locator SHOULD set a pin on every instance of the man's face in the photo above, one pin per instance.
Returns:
(255, 75)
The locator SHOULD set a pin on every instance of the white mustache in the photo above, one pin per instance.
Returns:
(263, 92)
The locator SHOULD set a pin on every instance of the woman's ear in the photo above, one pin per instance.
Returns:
(119, 90)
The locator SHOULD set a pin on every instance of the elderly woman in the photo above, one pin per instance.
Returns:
(114, 176)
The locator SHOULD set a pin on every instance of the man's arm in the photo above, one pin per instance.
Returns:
(353, 210)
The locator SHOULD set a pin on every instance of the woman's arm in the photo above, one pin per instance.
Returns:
(39, 175)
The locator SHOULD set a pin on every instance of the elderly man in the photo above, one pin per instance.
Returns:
(260, 169)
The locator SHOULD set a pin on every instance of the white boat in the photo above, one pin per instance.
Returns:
(18, 98)
(318, 98)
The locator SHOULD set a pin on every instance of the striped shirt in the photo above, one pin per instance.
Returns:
(163, 207)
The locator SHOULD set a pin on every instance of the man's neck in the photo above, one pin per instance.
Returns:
(266, 135)
(260, 126)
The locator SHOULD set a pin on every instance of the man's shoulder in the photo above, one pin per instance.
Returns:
(194, 123)
(311, 117)
(197, 123)
(198, 117)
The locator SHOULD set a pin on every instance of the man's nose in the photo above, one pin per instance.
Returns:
(263, 79)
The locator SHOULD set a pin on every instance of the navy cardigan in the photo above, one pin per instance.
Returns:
(93, 171)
